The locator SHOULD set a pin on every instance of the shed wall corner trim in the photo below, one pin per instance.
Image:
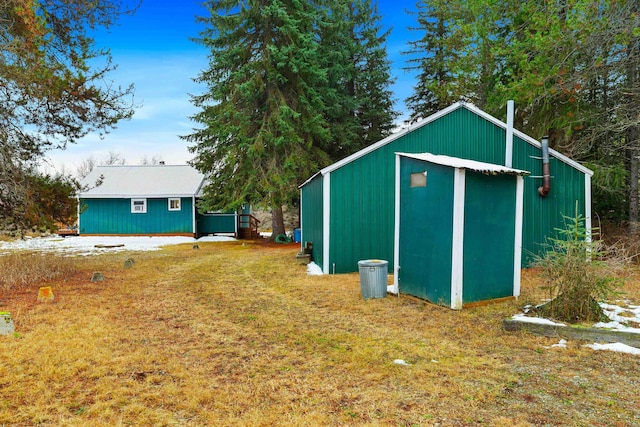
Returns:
(326, 221)
(396, 232)
(458, 238)
(517, 256)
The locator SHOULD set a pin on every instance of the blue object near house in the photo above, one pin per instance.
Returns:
(148, 200)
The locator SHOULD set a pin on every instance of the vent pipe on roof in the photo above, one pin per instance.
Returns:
(546, 174)
(508, 155)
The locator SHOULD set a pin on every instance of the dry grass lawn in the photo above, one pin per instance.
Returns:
(239, 335)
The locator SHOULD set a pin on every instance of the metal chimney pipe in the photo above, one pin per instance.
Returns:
(546, 174)
(508, 154)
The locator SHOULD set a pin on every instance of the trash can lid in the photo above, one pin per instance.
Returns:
(372, 263)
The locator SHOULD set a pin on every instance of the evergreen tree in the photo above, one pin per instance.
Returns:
(358, 102)
(375, 114)
(292, 86)
(570, 66)
(262, 116)
(433, 57)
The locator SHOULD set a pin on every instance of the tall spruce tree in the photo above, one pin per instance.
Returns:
(262, 116)
(433, 56)
(358, 101)
(375, 114)
(292, 86)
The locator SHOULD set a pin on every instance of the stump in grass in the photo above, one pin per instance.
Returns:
(572, 309)
(196, 247)
(45, 294)
(97, 277)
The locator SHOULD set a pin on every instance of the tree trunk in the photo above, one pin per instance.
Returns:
(633, 189)
(633, 132)
(277, 221)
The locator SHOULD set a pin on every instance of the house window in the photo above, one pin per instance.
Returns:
(138, 205)
(174, 204)
(418, 179)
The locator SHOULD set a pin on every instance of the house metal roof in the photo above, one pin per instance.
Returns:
(142, 181)
(455, 162)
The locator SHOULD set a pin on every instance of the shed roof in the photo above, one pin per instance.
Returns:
(435, 116)
(142, 181)
(455, 162)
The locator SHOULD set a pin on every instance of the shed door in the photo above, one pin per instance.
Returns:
(426, 227)
(489, 233)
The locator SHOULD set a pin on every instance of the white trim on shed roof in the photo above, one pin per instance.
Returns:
(435, 116)
(456, 162)
(142, 181)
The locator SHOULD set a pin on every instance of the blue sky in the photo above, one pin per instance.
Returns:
(153, 51)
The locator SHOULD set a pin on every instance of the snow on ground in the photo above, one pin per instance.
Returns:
(624, 317)
(86, 245)
(618, 347)
(539, 320)
(314, 269)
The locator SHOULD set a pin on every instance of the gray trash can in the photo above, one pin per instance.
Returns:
(373, 278)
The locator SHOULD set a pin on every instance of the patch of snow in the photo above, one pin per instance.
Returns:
(620, 317)
(619, 320)
(217, 238)
(539, 320)
(400, 362)
(86, 245)
(561, 344)
(617, 326)
(313, 269)
(617, 347)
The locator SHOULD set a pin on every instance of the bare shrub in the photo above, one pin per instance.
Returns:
(20, 270)
(579, 273)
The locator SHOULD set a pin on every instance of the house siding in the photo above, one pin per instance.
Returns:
(216, 223)
(113, 216)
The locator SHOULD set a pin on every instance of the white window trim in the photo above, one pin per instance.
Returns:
(144, 206)
(179, 204)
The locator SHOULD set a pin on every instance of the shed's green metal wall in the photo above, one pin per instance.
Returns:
(311, 216)
(362, 191)
(426, 231)
(113, 216)
(542, 215)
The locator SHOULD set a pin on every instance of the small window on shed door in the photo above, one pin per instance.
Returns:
(174, 204)
(138, 205)
(418, 179)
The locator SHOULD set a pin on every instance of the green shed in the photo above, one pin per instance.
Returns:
(347, 208)
(458, 233)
